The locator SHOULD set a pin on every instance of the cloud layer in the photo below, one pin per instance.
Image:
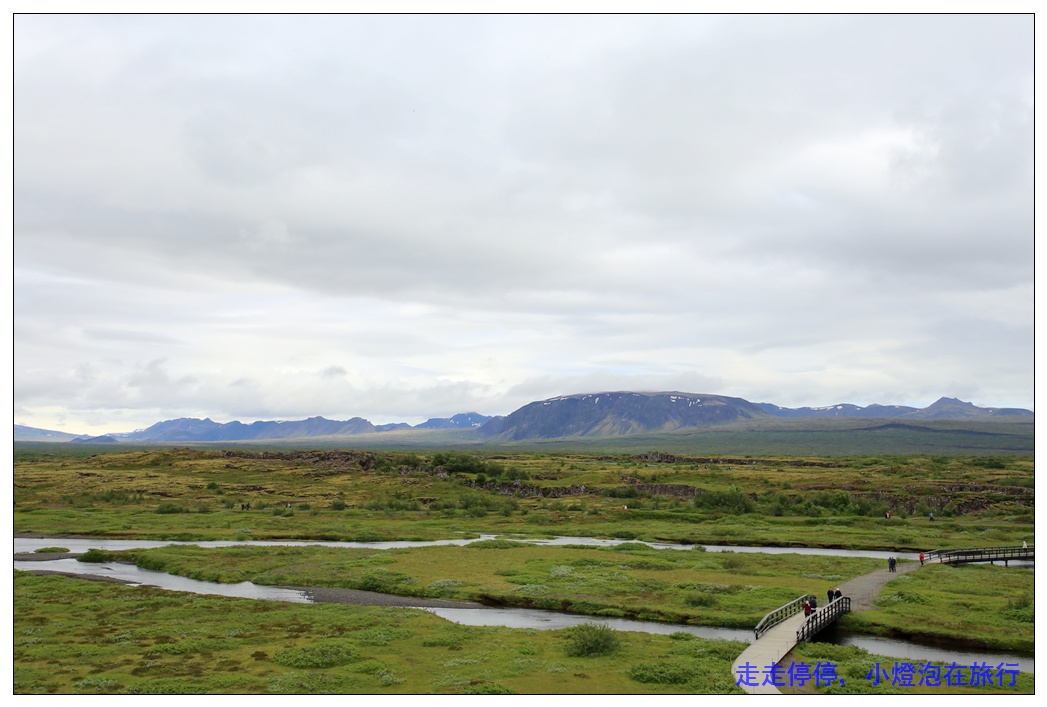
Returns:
(400, 217)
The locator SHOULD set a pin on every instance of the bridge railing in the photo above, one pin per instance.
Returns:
(980, 554)
(822, 617)
(780, 614)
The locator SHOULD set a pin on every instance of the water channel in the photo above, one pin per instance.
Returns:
(511, 618)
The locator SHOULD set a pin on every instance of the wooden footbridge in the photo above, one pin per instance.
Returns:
(776, 634)
(981, 554)
(780, 630)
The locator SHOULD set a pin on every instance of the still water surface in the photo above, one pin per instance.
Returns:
(83, 545)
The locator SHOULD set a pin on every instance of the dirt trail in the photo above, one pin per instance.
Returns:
(864, 589)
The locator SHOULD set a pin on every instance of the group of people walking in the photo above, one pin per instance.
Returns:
(811, 605)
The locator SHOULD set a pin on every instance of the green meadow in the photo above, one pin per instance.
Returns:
(980, 604)
(80, 637)
(630, 580)
(189, 494)
(170, 642)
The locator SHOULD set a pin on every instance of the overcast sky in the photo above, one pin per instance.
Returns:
(397, 218)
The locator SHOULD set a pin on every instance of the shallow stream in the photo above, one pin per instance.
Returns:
(508, 617)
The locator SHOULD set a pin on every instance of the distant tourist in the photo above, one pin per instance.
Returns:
(1025, 545)
(932, 516)
(829, 595)
(921, 559)
(891, 562)
(807, 608)
(838, 594)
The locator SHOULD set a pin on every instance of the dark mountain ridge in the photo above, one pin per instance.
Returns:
(605, 414)
(618, 413)
(623, 413)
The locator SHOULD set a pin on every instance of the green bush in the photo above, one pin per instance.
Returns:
(168, 507)
(589, 639)
(700, 600)
(322, 654)
(383, 580)
(95, 555)
(665, 673)
(490, 689)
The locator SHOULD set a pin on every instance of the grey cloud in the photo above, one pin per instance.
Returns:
(129, 336)
(554, 192)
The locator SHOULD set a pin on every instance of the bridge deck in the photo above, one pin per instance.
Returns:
(768, 650)
(982, 554)
(781, 639)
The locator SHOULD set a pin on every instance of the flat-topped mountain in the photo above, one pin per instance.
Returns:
(619, 413)
(464, 420)
(24, 433)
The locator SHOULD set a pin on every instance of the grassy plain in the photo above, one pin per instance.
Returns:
(982, 604)
(337, 495)
(211, 644)
(631, 580)
(76, 636)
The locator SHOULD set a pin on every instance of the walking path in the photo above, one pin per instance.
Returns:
(773, 645)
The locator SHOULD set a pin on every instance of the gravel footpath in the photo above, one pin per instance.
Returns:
(864, 589)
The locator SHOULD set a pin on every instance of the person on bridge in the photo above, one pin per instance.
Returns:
(814, 604)
(837, 594)
(830, 595)
(1025, 545)
(807, 608)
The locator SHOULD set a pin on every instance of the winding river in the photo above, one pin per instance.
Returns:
(511, 618)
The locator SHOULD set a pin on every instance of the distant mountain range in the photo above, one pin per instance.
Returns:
(621, 413)
(35, 434)
(584, 415)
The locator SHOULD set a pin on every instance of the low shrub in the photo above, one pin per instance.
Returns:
(490, 689)
(700, 600)
(589, 639)
(168, 507)
(497, 544)
(322, 654)
(95, 555)
(664, 673)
